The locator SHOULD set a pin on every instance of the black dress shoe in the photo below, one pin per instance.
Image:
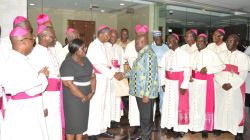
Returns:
(239, 136)
(107, 134)
(137, 130)
(204, 134)
(115, 124)
(217, 133)
(180, 134)
(92, 137)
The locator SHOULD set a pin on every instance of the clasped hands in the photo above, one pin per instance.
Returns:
(227, 86)
(119, 76)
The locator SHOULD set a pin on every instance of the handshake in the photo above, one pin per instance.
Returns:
(119, 76)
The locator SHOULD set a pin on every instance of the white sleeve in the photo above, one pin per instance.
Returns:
(217, 66)
(41, 84)
(162, 69)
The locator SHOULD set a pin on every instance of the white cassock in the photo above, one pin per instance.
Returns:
(174, 61)
(133, 113)
(247, 52)
(189, 49)
(61, 55)
(116, 54)
(44, 57)
(99, 111)
(5, 48)
(229, 105)
(24, 118)
(5, 52)
(197, 89)
(55, 50)
(217, 49)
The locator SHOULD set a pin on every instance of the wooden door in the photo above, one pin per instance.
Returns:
(85, 28)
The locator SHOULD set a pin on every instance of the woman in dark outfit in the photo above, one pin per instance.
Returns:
(78, 88)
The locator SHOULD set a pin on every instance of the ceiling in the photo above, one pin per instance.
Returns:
(178, 13)
(111, 5)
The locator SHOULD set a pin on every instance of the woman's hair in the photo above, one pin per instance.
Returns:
(75, 45)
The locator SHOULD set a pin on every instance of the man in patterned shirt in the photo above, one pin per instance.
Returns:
(143, 84)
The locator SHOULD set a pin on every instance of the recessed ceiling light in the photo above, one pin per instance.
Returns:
(75, 3)
(31, 4)
(122, 4)
(102, 11)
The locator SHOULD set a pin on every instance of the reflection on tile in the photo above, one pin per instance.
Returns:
(124, 132)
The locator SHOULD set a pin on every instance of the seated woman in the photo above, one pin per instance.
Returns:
(79, 84)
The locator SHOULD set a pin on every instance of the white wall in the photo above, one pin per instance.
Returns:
(59, 18)
(9, 9)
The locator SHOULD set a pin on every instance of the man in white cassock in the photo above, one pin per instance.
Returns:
(176, 73)
(5, 43)
(42, 56)
(204, 64)
(190, 39)
(44, 19)
(246, 133)
(230, 90)
(160, 49)
(116, 57)
(71, 34)
(24, 116)
(100, 105)
(218, 44)
(131, 55)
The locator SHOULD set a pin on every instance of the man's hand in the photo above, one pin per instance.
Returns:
(45, 112)
(118, 76)
(182, 91)
(203, 70)
(227, 86)
(45, 71)
(145, 99)
(191, 79)
(163, 88)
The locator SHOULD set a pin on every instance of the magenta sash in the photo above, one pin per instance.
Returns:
(233, 68)
(115, 63)
(56, 85)
(53, 84)
(183, 106)
(23, 95)
(62, 112)
(209, 117)
(95, 70)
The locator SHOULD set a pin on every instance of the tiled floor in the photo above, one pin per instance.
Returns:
(123, 133)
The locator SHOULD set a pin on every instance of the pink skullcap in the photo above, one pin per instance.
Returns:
(194, 31)
(40, 29)
(202, 35)
(141, 28)
(221, 30)
(176, 36)
(42, 18)
(19, 19)
(70, 30)
(18, 31)
(102, 27)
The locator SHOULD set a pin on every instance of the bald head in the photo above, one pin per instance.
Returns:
(232, 42)
(141, 41)
(113, 36)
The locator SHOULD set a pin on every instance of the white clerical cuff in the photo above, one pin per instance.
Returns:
(68, 78)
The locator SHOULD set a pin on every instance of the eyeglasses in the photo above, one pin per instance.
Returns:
(32, 39)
